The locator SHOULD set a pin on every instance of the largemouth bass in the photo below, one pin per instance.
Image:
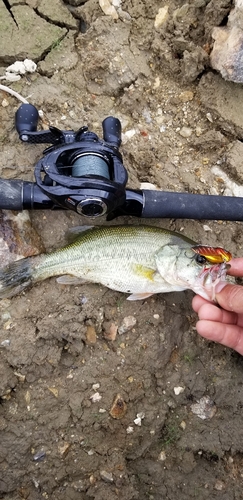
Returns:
(140, 261)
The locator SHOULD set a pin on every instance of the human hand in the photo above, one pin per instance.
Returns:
(223, 324)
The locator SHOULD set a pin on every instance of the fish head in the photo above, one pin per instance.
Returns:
(183, 267)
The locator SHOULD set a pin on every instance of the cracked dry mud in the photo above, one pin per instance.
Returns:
(59, 374)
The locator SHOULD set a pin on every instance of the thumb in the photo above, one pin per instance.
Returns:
(231, 298)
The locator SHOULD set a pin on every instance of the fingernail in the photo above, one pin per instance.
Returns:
(220, 286)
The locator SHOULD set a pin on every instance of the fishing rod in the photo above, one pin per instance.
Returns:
(86, 174)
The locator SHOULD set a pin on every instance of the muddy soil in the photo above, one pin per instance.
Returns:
(60, 373)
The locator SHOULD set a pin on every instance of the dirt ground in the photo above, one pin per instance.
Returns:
(59, 373)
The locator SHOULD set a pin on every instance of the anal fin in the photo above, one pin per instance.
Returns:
(67, 279)
(139, 296)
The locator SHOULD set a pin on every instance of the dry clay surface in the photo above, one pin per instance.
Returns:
(155, 413)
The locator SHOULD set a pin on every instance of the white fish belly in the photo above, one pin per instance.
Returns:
(126, 278)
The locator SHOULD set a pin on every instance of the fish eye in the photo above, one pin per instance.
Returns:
(200, 259)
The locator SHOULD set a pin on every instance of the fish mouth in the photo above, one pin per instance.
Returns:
(211, 276)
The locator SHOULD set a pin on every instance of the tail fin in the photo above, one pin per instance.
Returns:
(15, 277)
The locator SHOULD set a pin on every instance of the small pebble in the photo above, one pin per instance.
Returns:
(206, 228)
(130, 133)
(106, 476)
(138, 420)
(162, 456)
(119, 407)
(5, 103)
(95, 397)
(63, 448)
(91, 335)
(110, 331)
(127, 324)
(54, 391)
(209, 117)
(178, 390)
(20, 376)
(219, 485)
(5, 343)
(186, 96)
(161, 17)
(185, 132)
(129, 429)
(108, 9)
(198, 131)
(205, 408)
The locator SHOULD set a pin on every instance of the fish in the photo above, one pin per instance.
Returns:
(137, 260)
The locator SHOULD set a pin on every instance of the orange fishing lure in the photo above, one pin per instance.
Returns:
(214, 255)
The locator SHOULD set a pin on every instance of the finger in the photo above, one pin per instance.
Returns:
(213, 313)
(197, 302)
(236, 267)
(231, 298)
(228, 335)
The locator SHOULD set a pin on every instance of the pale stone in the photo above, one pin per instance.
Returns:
(227, 54)
(108, 8)
(161, 17)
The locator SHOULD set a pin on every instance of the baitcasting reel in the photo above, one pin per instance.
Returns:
(79, 171)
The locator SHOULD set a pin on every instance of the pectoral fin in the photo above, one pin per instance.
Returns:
(139, 296)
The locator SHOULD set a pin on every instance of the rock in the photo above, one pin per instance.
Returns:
(139, 418)
(108, 8)
(219, 485)
(91, 335)
(18, 239)
(186, 96)
(178, 390)
(63, 448)
(119, 407)
(96, 397)
(185, 132)
(227, 54)
(231, 187)
(205, 408)
(127, 324)
(193, 63)
(129, 429)
(162, 456)
(161, 17)
(110, 330)
(106, 476)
